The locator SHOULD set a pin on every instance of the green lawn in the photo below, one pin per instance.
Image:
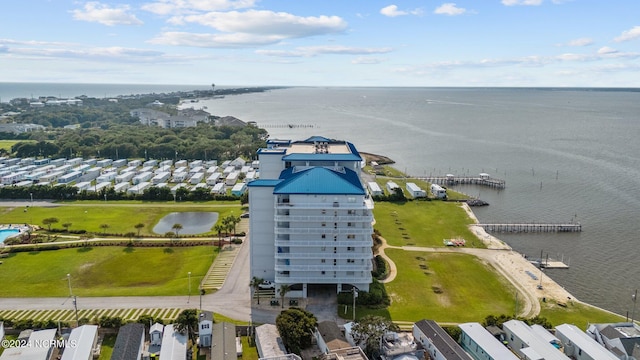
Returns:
(121, 218)
(7, 144)
(423, 223)
(107, 346)
(105, 271)
(577, 314)
(446, 288)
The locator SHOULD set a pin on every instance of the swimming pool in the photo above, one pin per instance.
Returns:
(5, 233)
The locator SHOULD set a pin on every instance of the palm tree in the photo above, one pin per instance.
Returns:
(139, 227)
(49, 221)
(177, 227)
(233, 220)
(284, 289)
(219, 228)
(66, 226)
(255, 284)
(104, 228)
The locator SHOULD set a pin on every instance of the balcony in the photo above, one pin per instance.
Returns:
(367, 266)
(327, 218)
(329, 206)
(323, 230)
(364, 243)
(327, 255)
(323, 279)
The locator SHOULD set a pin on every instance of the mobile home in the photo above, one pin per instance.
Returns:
(138, 188)
(124, 177)
(161, 177)
(232, 178)
(374, 189)
(196, 178)
(415, 191)
(122, 187)
(213, 178)
(438, 191)
(179, 176)
(219, 189)
(239, 189)
(70, 177)
(110, 176)
(142, 177)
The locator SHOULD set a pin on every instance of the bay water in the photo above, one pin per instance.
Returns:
(566, 155)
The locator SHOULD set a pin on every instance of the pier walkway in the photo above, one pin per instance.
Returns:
(532, 227)
(450, 180)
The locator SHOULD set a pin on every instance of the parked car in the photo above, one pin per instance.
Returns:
(245, 216)
(267, 285)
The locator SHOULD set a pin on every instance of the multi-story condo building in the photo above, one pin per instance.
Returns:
(311, 217)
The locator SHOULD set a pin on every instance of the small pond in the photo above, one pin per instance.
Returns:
(192, 222)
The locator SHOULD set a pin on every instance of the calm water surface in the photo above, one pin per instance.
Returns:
(565, 154)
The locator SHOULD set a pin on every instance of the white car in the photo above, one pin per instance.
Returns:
(267, 285)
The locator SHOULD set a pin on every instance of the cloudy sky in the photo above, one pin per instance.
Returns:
(323, 42)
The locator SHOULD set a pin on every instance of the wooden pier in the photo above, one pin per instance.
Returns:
(532, 227)
(450, 180)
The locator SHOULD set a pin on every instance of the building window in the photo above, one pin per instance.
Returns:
(322, 272)
(351, 236)
(323, 261)
(349, 224)
(351, 199)
(324, 212)
(323, 236)
(350, 248)
(324, 224)
(350, 261)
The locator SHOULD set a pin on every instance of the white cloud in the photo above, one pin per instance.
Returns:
(174, 7)
(207, 40)
(606, 50)
(363, 60)
(521, 2)
(268, 23)
(580, 42)
(311, 51)
(392, 11)
(249, 28)
(630, 34)
(104, 14)
(449, 9)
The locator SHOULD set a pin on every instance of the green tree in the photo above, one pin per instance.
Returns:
(255, 284)
(50, 221)
(139, 227)
(66, 226)
(284, 289)
(368, 331)
(295, 326)
(104, 228)
(219, 228)
(187, 323)
(177, 227)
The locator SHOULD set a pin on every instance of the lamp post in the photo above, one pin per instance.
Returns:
(189, 298)
(355, 295)
(69, 281)
(31, 194)
(75, 306)
(635, 299)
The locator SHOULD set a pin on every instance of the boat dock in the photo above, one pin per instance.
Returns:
(532, 227)
(449, 180)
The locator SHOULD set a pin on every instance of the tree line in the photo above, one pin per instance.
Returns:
(126, 141)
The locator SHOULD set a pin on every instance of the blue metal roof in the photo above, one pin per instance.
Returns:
(318, 139)
(319, 180)
(264, 183)
(322, 157)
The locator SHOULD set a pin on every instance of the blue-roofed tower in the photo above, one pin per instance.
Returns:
(311, 217)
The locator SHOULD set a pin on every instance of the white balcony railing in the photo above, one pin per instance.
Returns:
(322, 279)
(327, 218)
(367, 243)
(329, 206)
(329, 230)
(327, 255)
(367, 266)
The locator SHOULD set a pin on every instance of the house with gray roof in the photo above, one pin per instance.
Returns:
(129, 343)
(436, 342)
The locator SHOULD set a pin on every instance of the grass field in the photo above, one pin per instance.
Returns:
(577, 314)
(105, 271)
(7, 144)
(423, 223)
(121, 217)
(445, 287)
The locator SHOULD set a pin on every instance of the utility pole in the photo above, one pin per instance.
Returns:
(355, 295)
(635, 299)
